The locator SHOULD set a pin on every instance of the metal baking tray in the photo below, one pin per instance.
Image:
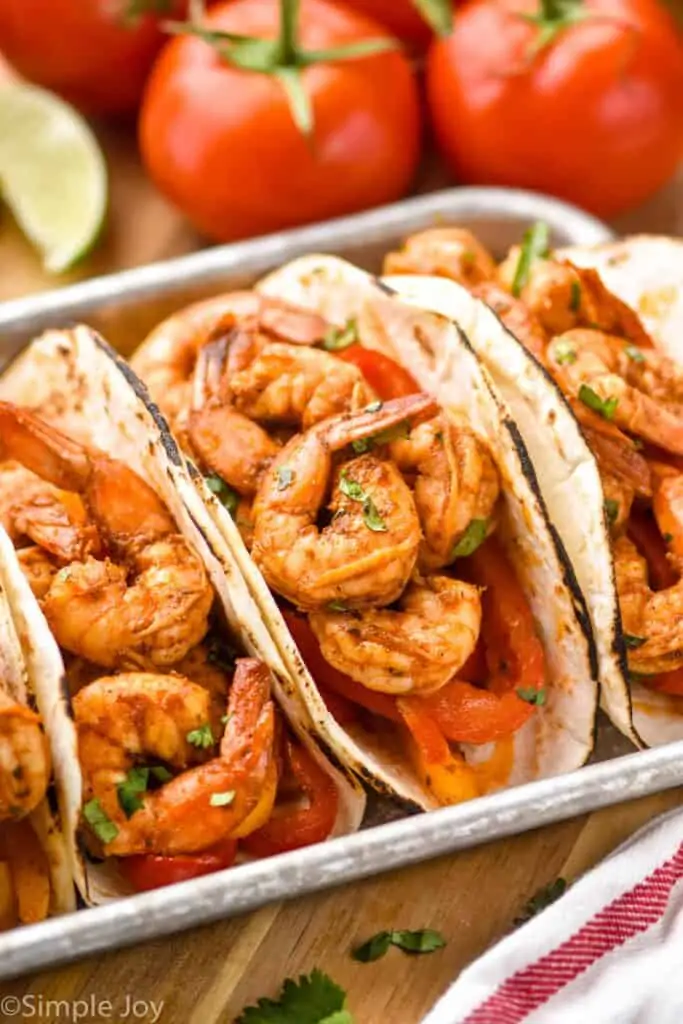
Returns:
(124, 307)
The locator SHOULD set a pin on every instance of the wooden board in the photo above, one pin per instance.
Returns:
(207, 976)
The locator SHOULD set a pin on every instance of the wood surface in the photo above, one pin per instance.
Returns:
(208, 975)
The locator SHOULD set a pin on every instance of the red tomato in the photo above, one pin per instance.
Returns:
(290, 830)
(92, 52)
(594, 116)
(401, 17)
(222, 144)
(151, 871)
(387, 378)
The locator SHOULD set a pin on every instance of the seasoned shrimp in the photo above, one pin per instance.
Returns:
(653, 619)
(24, 759)
(516, 316)
(134, 717)
(166, 359)
(456, 482)
(56, 520)
(667, 506)
(618, 497)
(415, 649)
(39, 568)
(98, 613)
(367, 552)
(562, 296)
(616, 454)
(443, 252)
(149, 611)
(628, 384)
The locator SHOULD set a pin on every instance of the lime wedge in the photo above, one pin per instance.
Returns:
(52, 174)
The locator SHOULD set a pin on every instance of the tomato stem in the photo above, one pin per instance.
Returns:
(289, 20)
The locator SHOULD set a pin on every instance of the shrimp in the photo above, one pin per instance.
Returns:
(134, 717)
(618, 495)
(24, 759)
(443, 252)
(415, 649)
(56, 520)
(456, 482)
(615, 453)
(562, 296)
(150, 611)
(39, 568)
(516, 317)
(654, 620)
(626, 382)
(667, 506)
(94, 611)
(166, 359)
(366, 554)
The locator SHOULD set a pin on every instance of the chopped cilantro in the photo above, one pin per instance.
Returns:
(611, 510)
(634, 642)
(575, 297)
(424, 940)
(606, 407)
(371, 517)
(540, 900)
(532, 696)
(228, 498)
(472, 538)
(128, 791)
(201, 737)
(534, 246)
(338, 338)
(563, 352)
(103, 827)
(634, 354)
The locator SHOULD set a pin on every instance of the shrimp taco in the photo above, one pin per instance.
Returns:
(189, 744)
(389, 526)
(35, 870)
(601, 411)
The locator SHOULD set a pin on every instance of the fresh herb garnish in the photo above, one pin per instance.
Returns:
(667, 537)
(222, 799)
(540, 900)
(423, 941)
(284, 475)
(575, 297)
(337, 606)
(201, 737)
(128, 792)
(395, 433)
(611, 510)
(371, 517)
(338, 338)
(606, 407)
(472, 538)
(228, 498)
(634, 642)
(563, 352)
(313, 999)
(226, 718)
(160, 773)
(534, 246)
(103, 827)
(634, 353)
(532, 696)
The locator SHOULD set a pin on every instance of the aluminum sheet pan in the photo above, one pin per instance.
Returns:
(124, 307)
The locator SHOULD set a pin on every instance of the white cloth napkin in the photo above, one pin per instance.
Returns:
(610, 951)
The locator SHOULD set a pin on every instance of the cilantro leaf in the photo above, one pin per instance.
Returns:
(338, 338)
(373, 949)
(313, 999)
(337, 606)
(425, 940)
(128, 792)
(532, 696)
(160, 773)
(606, 407)
(201, 737)
(634, 354)
(472, 538)
(103, 827)
(395, 433)
(634, 642)
(371, 517)
(351, 488)
(546, 895)
(534, 246)
(563, 352)
(228, 498)
(575, 297)
(611, 510)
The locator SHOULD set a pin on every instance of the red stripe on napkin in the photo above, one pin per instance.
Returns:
(632, 912)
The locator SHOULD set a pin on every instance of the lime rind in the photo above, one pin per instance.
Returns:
(53, 176)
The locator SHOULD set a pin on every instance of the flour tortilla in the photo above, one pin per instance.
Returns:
(19, 656)
(559, 738)
(80, 385)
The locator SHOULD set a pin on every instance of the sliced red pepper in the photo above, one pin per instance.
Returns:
(292, 829)
(642, 529)
(341, 709)
(424, 729)
(152, 871)
(467, 714)
(666, 682)
(514, 652)
(387, 378)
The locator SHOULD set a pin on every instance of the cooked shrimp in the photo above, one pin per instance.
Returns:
(443, 252)
(415, 649)
(618, 497)
(516, 316)
(151, 621)
(456, 482)
(653, 619)
(56, 520)
(367, 552)
(24, 870)
(667, 506)
(228, 443)
(24, 759)
(126, 719)
(166, 359)
(590, 364)
(274, 382)
(616, 454)
(39, 568)
(562, 296)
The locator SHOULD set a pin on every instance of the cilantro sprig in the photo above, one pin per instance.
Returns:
(371, 517)
(425, 940)
(313, 999)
